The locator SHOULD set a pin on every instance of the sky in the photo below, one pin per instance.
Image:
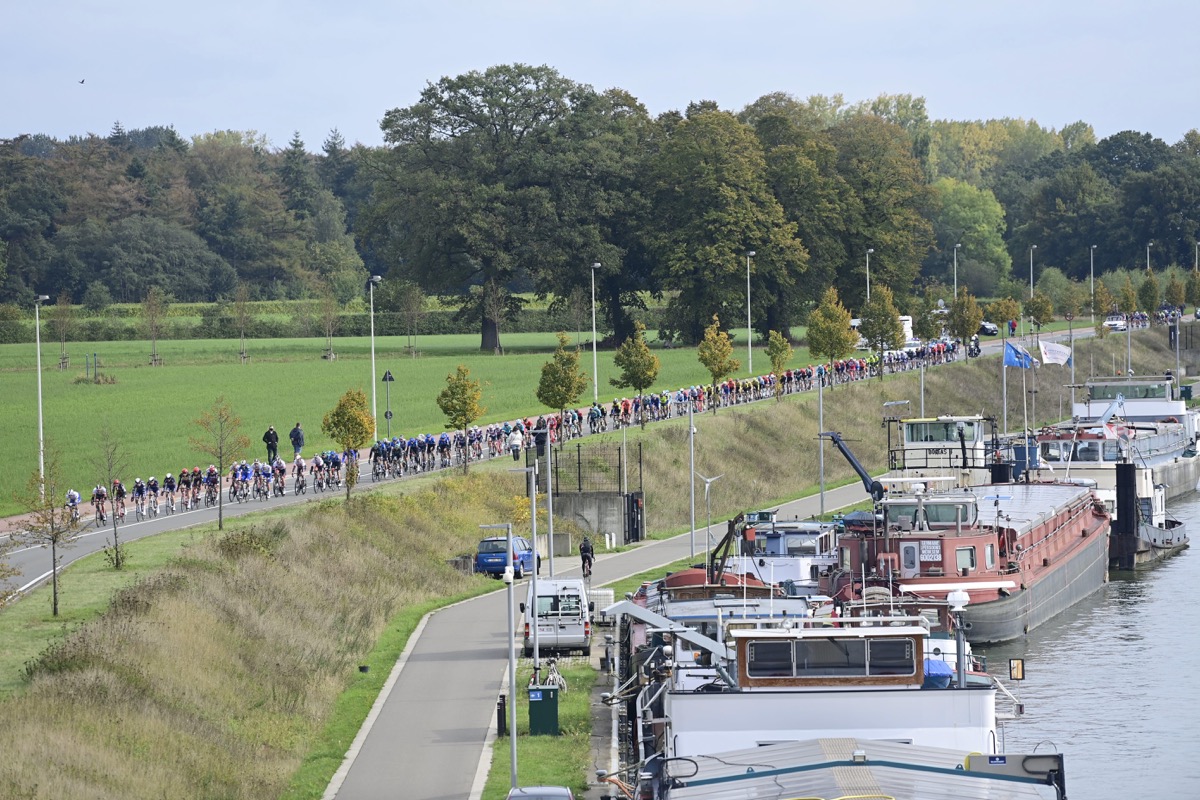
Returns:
(277, 68)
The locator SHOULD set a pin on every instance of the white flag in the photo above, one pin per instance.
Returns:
(1055, 353)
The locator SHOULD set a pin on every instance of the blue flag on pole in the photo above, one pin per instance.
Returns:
(1017, 356)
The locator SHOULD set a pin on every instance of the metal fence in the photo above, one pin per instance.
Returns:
(594, 467)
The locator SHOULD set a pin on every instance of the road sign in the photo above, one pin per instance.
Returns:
(387, 377)
(387, 414)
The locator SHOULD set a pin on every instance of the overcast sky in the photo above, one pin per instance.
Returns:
(278, 67)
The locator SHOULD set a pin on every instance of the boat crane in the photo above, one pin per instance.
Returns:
(873, 487)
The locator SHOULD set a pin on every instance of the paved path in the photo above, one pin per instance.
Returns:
(427, 733)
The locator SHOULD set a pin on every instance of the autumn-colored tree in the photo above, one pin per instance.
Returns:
(966, 315)
(459, 401)
(1149, 293)
(1127, 300)
(715, 352)
(1039, 309)
(1175, 293)
(829, 335)
(219, 437)
(881, 324)
(639, 367)
(351, 425)
(1193, 287)
(562, 380)
(1002, 311)
(779, 350)
(110, 463)
(49, 523)
(1103, 306)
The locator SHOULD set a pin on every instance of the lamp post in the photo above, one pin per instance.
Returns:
(956, 270)
(869, 251)
(1032, 247)
(708, 482)
(37, 328)
(512, 655)
(749, 330)
(595, 372)
(692, 466)
(371, 284)
(387, 385)
(532, 488)
(1092, 276)
(1148, 246)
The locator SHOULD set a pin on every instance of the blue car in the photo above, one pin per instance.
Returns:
(491, 557)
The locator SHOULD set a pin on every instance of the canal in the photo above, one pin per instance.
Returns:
(1114, 683)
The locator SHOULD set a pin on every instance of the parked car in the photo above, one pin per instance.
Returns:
(541, 793)
(562, 613)
(988, 328)
(491, 557)
(1116, 322)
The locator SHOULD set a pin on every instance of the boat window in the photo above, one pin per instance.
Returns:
(892, 657)
(945, 513)
(1112, 451)
(964, 557)
(831, 657)
(904, 514)
(769, 660)
(940, 431)
(1088, 451)
(989, 556)
(801, 546)
(908, 556)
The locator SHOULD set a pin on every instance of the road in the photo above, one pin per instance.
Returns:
(426, 734)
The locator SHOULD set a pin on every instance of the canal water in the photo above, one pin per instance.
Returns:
(1114, 683)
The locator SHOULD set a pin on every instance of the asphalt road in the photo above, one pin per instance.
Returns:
(426, 734)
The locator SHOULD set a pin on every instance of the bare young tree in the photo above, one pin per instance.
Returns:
(412, 310)
(243, 315)
(50, 523)
(62, 322)
(110, 463)
(154, 317)
(329, 312)
(220, 438)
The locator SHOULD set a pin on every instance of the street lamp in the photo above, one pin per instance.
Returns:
(869, 251)
(956, 270)
(371, 284)
(692, 466)
(532, 489)
(595, 371)
(1148, 246)
(1092, 275)
(708, 512)
(1032, 247)
(37, 327)
(749, 330)
(387, 384)
(512, 655)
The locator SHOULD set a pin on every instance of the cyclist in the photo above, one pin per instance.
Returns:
(212, 482)
(185, 488)
(334, 460)
(280, 469)
(152, 494)
(169, 491)
(73, 504)
(234, 472)
(118, 496)
(299, 468)
(586, 556)
(317, 470)
(197, 485)
(139, 497)
(99, 496)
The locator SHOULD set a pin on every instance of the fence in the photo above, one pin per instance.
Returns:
(594, 467)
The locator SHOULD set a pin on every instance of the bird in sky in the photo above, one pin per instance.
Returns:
(84, 79)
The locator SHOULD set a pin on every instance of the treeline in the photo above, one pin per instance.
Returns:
(517, 179)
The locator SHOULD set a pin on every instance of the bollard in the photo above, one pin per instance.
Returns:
(501, 716)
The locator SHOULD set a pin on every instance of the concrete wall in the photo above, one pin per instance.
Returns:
(596, 512)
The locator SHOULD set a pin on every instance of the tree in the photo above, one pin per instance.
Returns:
(562, 380)
(49, 523)
(62, 321)
(830, 336)
(1104, 305)
(639, 367)
(459, 401)
(243, 313)
(1004, 310)
(927, 322)
(1175, 293)
(412, 310)
(779, 350)
(351, 425)
(220, 438)
(1127, 300)
(715, 352)
(966, 315)
(1193, 287)
(330, 314)
(110, 463)
(972, 217)
(1039, 309)
(881, 324)
(154, 316)
(1149, 294)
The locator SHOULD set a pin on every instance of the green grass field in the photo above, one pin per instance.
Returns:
(150, 410)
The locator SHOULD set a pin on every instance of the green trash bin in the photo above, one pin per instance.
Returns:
(543, 711)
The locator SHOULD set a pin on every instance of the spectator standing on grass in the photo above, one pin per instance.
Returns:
(271, 440)
(515, 442)
(297, 437)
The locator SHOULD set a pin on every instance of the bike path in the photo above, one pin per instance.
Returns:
(426, 735)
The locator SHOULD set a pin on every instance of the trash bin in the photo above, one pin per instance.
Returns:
(543, 711)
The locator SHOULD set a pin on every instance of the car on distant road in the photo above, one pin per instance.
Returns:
(1116, 322)
(491, 557)
(988, 328)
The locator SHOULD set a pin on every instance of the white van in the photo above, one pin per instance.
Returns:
(563, 616)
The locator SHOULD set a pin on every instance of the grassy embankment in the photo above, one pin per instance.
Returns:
(233, 671)
(149, 410)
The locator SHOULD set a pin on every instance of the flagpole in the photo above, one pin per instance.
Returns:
(1004, 383)
(1025, 415)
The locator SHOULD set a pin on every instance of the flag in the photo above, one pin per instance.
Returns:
(1055, 353)
(1017, 356)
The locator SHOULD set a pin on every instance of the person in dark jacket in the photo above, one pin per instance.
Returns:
(297, 437)
(271, 440)
(587, 555)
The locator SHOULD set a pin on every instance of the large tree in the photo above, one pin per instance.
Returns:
(351, 425)
(712, 206)
(639, 367)
(830, 336)
(514, 172)
(881, 323)
(715, 352)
